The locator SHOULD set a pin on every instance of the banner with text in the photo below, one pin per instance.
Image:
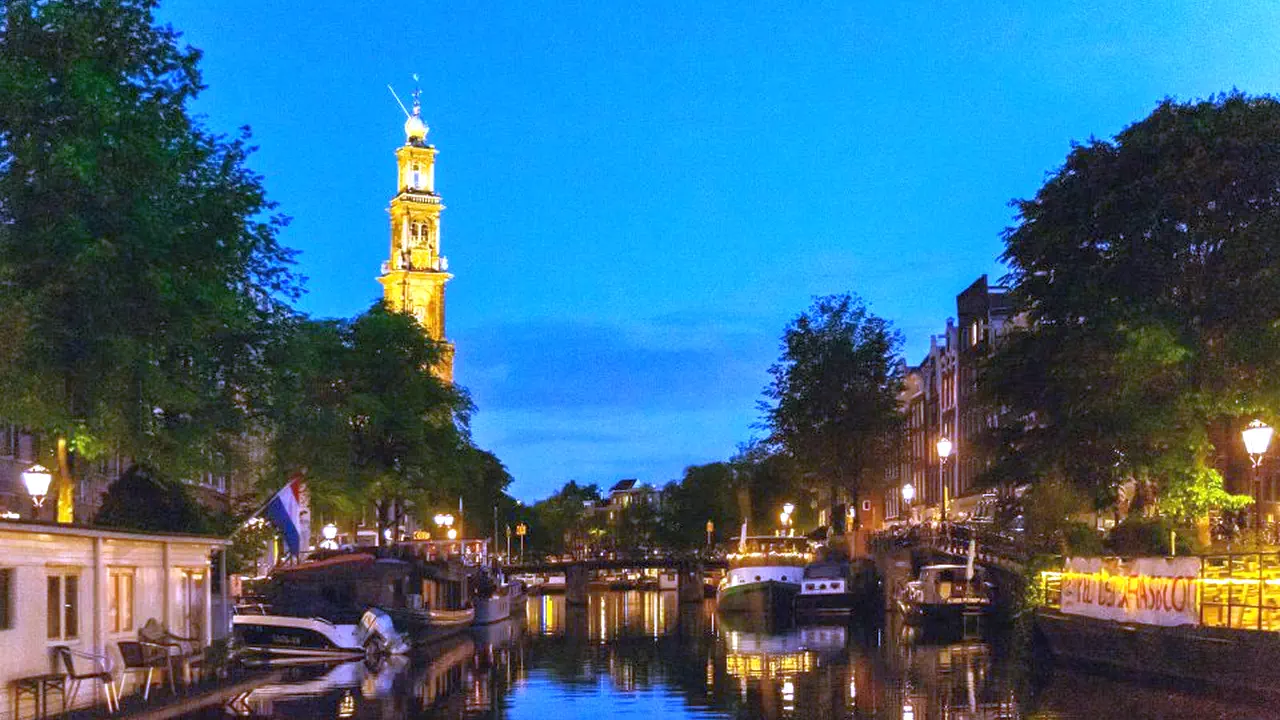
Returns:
(1151, 591)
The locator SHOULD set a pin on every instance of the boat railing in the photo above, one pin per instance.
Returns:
(1234, 590)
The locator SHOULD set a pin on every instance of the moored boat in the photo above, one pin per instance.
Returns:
(944, 595)
(316, 639)
(764, 575)
(495, 597)
(836, 586)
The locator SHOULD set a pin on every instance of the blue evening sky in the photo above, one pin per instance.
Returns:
(641, 195)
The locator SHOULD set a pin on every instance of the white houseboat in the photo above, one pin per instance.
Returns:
(89, 588)
(764, 575)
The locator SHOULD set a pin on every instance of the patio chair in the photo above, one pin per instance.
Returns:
(154, 632)
(143, 657)
(81, 666)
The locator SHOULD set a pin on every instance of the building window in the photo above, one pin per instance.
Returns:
(120, 599)
(6, 598)
(417, 176)
(63, 597)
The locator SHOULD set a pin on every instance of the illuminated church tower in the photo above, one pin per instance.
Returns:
(413, 279)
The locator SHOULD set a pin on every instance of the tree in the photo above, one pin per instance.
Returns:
(834, 404)
(563, 521)
(359, 410)
(140, 275)
(141, 499)
(1148, 272)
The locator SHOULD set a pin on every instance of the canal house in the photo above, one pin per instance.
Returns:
(90, 588)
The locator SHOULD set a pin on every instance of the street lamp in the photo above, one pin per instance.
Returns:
(1256, 439)
(944, 451)
(711, 527)
(37, 479)
(330, 533)
(521, 531)
(908, 494)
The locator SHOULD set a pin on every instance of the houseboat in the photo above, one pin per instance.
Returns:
(1211, 619)
(92, 587)
(764, 575)
(837, 586)
(496, 597)
(944, 596)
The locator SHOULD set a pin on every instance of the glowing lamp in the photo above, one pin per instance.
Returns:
(788, 508)
(453, 534)
(908, 492)
(37, 479)
(944, 448)
(330, 532)
(1257, 437)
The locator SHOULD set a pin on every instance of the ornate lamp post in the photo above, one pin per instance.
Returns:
(37, 479)
(1257, 437)
(944, 451)
(521, 531)
(908, 494)
(785, 517)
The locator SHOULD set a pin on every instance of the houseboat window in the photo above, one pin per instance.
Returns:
(191, 603)
(120, 599)
(6, 598)
(63, 600)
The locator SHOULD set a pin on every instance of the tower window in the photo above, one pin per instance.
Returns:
(417, 176)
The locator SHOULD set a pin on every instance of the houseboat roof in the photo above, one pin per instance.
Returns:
(100, 531)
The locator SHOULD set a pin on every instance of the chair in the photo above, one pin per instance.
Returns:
(178, 650)
(100, 669)
(142, 657)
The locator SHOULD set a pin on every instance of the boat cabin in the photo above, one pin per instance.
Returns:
(946, 584)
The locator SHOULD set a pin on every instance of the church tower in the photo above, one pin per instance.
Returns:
(413, 279)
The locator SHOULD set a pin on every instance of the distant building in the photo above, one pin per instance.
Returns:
(939, 399)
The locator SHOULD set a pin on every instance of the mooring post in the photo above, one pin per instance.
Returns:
(575, 584)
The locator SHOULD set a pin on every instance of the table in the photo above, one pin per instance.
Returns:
(38, 688)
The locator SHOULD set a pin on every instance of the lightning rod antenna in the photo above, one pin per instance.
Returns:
(397, 97)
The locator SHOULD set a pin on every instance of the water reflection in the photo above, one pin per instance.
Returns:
(644, 654)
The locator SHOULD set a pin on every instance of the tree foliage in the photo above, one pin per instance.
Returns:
(833, 402)
(358, 409)
(140, 274)
(141, 499)
(1148, 269)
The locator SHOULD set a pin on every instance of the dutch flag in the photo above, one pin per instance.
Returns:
(287, 510)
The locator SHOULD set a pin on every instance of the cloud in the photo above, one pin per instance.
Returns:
(659, 364)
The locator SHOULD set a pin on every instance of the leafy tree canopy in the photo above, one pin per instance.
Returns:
(833, 402)
(140, 499)
(1148, 269)
(140, 273)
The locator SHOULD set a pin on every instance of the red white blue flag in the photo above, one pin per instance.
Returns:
(288, 511)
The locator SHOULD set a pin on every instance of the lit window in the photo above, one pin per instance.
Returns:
(120, 599)
(63, 598)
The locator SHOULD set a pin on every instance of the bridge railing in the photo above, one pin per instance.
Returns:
(991, 548)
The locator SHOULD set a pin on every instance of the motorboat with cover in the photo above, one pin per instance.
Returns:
(315, 639)
(764, 574)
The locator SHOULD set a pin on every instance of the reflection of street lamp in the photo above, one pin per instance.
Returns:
(1256, 439)
(37, 479)
(944, 452)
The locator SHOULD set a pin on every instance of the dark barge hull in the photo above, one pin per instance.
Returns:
(770, 598)
(1227, 658)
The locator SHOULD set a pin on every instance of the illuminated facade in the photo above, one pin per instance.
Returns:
(415, 274)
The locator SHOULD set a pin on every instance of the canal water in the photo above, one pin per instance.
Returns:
(644, 655)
